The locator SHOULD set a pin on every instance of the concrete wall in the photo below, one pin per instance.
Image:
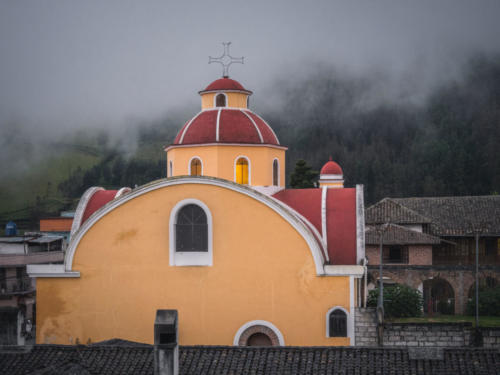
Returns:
(365, 327)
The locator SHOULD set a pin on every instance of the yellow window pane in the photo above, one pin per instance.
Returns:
(242, 171)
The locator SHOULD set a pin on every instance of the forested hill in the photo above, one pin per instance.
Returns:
(448, 143)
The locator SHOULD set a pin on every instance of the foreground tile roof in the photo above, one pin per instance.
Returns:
(128, 358)
(447, 216)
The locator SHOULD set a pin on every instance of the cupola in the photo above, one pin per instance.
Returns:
(331, 175)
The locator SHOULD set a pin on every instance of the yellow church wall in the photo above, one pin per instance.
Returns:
(262, 270)
(234, 100)
(219, 161)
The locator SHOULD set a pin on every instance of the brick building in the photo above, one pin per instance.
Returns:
(429, 244)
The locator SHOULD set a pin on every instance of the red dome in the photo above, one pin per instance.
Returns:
(331, 168)
(225, 84)
(224, 125)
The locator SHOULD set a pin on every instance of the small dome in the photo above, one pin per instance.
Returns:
(331, 168)
(226, 125)
(225, 84)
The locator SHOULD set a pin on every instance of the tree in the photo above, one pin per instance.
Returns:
(304, 176)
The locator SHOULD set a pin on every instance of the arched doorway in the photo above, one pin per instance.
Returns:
(439, 297)
(487, 282)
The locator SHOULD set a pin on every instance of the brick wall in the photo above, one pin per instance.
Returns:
(420, 255)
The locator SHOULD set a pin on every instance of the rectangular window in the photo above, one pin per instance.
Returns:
(396, 254)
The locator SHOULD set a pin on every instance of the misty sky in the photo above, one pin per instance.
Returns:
(71, 63)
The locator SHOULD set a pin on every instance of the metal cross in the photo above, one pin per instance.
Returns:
(225, 60)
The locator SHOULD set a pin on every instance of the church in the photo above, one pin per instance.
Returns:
(244, 260)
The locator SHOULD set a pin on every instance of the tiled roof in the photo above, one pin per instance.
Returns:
(220, 360)
(340, 218)
(457, 216)
(390, 211)
(399, 235)
(447, 216)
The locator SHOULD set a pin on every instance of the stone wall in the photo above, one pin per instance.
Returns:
(491, 337)
(427, 334)
(365, 327)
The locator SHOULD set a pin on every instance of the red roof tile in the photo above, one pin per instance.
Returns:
(99, 199)
(340, 218)
(235, 126)
(225, 84)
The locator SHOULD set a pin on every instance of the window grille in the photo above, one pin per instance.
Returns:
(337, 324)
(191, 229)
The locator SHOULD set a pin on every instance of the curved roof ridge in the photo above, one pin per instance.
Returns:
(300, 226)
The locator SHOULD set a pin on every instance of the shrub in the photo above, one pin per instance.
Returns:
(400, 301)
(489, 302)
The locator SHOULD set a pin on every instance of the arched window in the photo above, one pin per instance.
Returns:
(171, 169)
(258, 333)
(276, 172)
(195, 168)
(337, 323)
(191, 229)
(242, 171)
(190, 234)
(220, 100)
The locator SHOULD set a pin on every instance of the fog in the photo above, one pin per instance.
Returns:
(110, 64)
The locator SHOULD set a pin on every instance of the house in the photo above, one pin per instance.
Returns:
(17, 289)
(429, 244)
(244, 260)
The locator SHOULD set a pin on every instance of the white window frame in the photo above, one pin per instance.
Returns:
(171, 169)
(215, 99)
(190, 258)
(264, 323)
(189, 165)
(249, 168)
(349, 323)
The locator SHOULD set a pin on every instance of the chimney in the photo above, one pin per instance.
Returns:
(166, 347)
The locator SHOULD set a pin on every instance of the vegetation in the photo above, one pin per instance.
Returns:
(303, 176)
(489, 302)
(399, 301)
(445, 144)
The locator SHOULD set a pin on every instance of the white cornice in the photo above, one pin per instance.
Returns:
(227, 144)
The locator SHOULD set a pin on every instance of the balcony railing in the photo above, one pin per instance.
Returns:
(16, 285)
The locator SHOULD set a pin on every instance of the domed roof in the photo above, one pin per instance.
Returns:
(331, 168)
(225, 84)
(226, 125)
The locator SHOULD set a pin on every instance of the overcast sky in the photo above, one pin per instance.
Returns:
(72, 63)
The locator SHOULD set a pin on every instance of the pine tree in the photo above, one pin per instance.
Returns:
(304, 176)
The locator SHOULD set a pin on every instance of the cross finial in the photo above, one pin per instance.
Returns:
(225, 60)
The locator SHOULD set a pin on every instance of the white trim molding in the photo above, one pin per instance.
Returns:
(217, 124)
(249, 168)
(360, 224)
(80, 209)
(190, 258)
(50, 270)
(287, 214)
(122, 191)
(324, 233)
(254, 124)
(189, 165)
(347, 270)
(168, 148)
(187, 127)
(264, 323)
